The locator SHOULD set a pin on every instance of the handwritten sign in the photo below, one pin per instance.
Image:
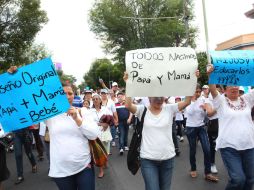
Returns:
(161, 72)
(235, 67)
(33, 94)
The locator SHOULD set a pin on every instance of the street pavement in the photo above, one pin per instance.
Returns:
(117, 176)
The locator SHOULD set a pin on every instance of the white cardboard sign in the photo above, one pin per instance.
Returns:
(157, 72)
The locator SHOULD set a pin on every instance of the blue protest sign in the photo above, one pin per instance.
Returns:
(232, 67)
(32, 94)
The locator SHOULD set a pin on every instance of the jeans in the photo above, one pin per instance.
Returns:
(23, 137)
(113, 132)
(46, 146)
(157, 174)
(212, 132)
(179, 124)
(83, 180)
(123, 134)
(193, 134)
(240, 167)
(174, 137)
(38, 142)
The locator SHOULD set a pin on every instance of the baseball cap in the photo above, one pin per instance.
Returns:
(241, 88)
(104, 90)
(205, 86)
(178, 97)
(114, 84)
(88, 91)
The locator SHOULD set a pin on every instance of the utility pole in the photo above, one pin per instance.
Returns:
(186, 17)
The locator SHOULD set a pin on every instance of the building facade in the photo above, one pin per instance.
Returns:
(242, 42)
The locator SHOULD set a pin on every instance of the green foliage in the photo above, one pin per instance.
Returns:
(37, 52)
(202, 62)
(66, 78)
(121, 34)
(20, 21)
(104, 69)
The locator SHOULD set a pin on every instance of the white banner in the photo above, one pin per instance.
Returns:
(157, 72)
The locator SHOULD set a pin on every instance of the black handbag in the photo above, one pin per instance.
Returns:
(133, 156)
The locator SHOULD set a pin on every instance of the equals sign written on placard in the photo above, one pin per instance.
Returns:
(23, 120)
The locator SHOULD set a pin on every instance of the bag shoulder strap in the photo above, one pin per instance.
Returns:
(142, 120)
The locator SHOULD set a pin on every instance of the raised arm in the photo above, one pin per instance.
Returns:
(103, 84)
(185, 103)
(212, 87)
(128, 102)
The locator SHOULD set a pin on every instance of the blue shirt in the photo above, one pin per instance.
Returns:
(77, 102)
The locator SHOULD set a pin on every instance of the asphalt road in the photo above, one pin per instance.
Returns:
(117, 176)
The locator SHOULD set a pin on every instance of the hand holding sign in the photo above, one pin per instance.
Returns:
(12, 69)
(125, 76)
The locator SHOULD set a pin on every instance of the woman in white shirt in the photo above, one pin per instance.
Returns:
(236, 135)
(195, 129)
(96, 112)
(70, 159)
(157, 148)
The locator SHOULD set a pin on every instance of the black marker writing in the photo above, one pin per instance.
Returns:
(43, 113)
(160, 79)
(48, 96)
(24, 103)
(176, 76)
(11, 85)
(7, 111)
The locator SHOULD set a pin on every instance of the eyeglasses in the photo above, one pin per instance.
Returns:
(95, 99)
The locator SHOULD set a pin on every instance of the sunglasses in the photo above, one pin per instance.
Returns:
(95, 99)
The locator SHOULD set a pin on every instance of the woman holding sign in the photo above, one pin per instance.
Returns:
(157, 147)
(236, 134)
(70, 159)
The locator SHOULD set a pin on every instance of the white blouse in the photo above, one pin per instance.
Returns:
(195, 113)
(69, 148)
(236, 128)
(95, 115)
(157, 143)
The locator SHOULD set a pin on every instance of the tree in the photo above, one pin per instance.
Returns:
(36, 52)
(202, 62)
(20, 20)
(116, 23)
(104, 69)
(66, 78)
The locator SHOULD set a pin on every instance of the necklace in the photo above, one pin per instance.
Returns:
(241, 106)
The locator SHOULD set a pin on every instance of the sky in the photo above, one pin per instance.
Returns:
(68, 37)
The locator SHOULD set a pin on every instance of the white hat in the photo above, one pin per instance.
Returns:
(241, 88)
(95, 94)
(104, 91)
(114, 84)
(88, 91)
(205, 86)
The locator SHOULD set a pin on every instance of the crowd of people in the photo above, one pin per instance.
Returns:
(219, 118)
